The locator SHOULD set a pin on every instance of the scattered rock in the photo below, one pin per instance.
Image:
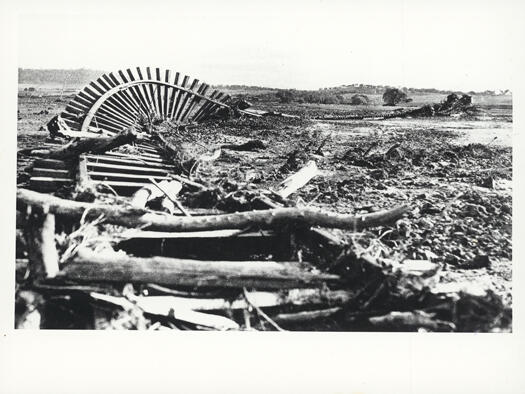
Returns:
(378, 174)
(487, 182)
(480, 261)
(431, 208)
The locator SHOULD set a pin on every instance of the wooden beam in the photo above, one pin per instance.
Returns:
(139, 234)
(305, 316)
(186, 315)
(51, 163)
(129, 169)
(39, 234)
(294, 182)
(82, 173)
(119, 267)
(119, 184)
(131, 158)
(94, 145)
(48, 183)
(263, 299)
(114, 176)
(50, 172)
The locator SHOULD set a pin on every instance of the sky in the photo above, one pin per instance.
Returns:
(456, 45)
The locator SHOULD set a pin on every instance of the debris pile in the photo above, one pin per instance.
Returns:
(161, 205)
(204, 249)
(453, 106)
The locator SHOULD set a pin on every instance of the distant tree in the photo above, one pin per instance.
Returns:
(359, 99)
(393, 96)
(329, 99)
(285, 96)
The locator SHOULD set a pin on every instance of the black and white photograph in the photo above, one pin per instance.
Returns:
(318, 166)
(165, 198)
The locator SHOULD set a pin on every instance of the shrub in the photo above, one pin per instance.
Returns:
(393, 96)
(316, 97)
(285, 96)
(359, 99)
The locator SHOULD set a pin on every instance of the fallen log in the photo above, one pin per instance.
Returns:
(139, 234)
(133, 217)
(78, 146)
(250, 146)
(120, 267)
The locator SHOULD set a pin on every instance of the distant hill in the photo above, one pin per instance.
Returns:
(379, 89)
(80, 76)
(83, 76)
(357, 88)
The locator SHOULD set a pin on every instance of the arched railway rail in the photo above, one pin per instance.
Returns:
(115, 101)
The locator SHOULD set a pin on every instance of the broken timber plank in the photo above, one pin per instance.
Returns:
(122, 183)
(48, 183)
(294, 182)
(305, 316)
(295, 297)
(51, 173)
(39, 234)
(51, 163)
(114, 176)
(95, 145)
(143, 195)
(186, 315)
(125, 168)
(130, 159)
(83, 180)
(132, 234)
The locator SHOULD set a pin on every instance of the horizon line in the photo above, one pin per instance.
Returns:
(277, 88)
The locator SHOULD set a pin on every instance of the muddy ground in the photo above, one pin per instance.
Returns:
(455, 174)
